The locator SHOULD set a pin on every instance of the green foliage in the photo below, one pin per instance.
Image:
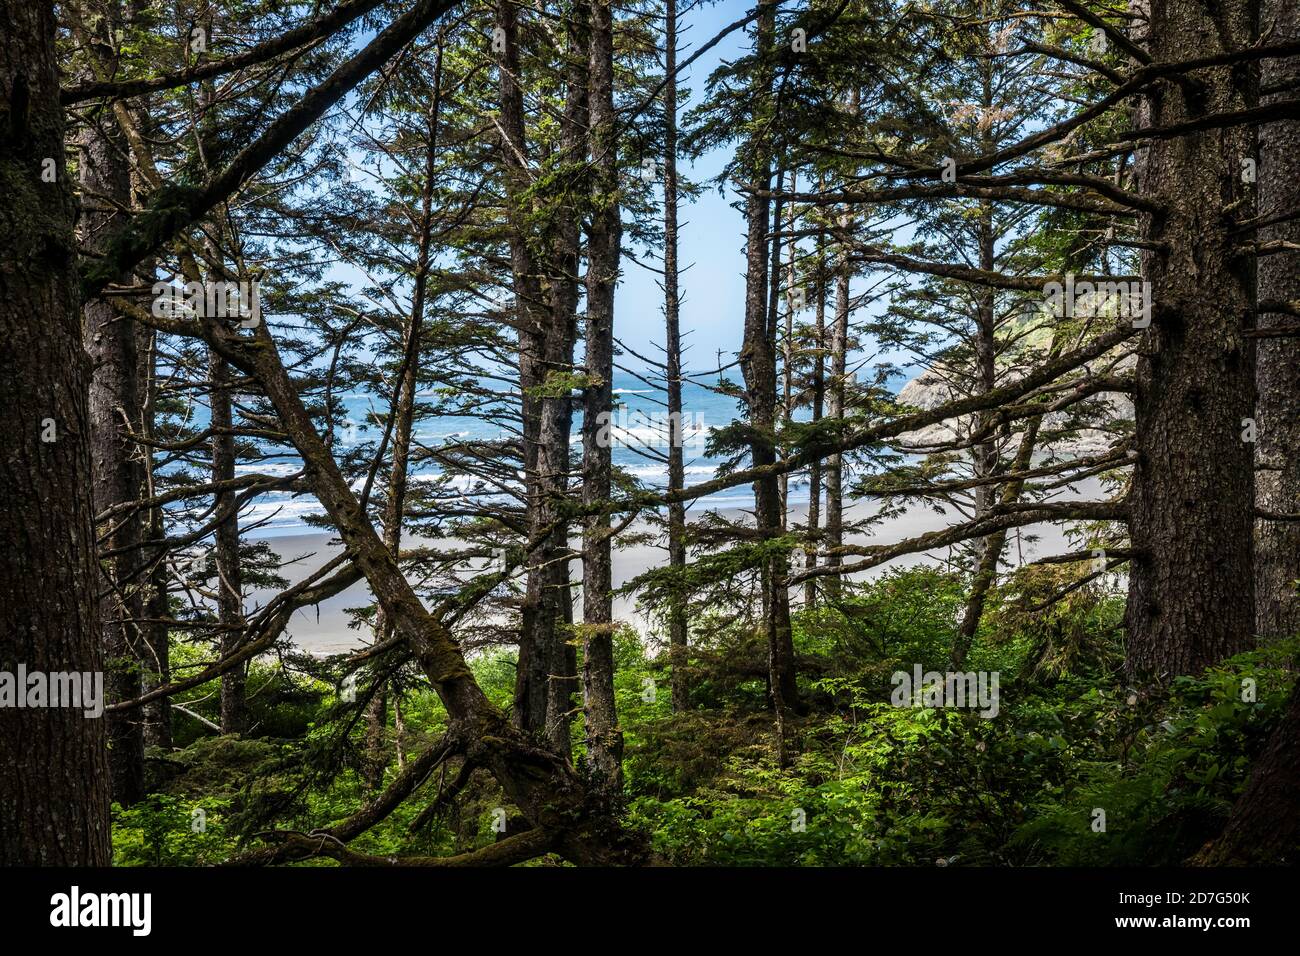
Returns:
(280, 704)
(164, 830)
(876, 784)
(869, 783)
(906, 615)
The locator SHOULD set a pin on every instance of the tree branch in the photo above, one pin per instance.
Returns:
(322, 26)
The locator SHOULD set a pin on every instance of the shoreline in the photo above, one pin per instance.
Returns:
(324, 630)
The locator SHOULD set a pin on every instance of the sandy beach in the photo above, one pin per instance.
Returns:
(324, 629)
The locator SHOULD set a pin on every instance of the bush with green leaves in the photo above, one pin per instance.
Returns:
(164, 830)
(1076, 768)
(883, 785)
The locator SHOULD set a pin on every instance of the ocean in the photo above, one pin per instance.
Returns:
(638, 432)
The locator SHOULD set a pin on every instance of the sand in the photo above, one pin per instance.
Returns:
(324, 629)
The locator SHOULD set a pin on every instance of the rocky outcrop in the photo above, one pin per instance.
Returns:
(935, 387)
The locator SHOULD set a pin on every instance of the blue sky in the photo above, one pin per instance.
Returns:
(711, 231)
(711, 234)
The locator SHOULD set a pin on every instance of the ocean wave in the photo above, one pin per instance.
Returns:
(274, 512)
(432, 436)
(652, 436)
(661, 471)
(276, 469)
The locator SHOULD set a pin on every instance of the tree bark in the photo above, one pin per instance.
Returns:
(531, 677)
(818, 411)
(54, 788)
(376, 754)
(404, 414)
(157, 716)
(838, 392)
(544, 262)
(1191, 584)
(987, 569)
(1264, 827)
(984, 454)
(604, 738)
(758, 364)
(786, 335)
(556, 427)
(229, 583)
(117, 475)
(1277, 409)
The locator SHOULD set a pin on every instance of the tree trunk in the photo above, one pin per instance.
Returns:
(404, 414)
(557, 406)
(984, 455)
(787, 336)
(818, 410)
(1277, 410)
(1264, 828)
(678, 633)
(531, 678)
(117, 475)
(376, 754)
(836, 411)
(604, 738)
(986, 571)
(538, 781)
(1191, 584)
(229, 582)
(758, 364)
(55, 786)
(157, 715)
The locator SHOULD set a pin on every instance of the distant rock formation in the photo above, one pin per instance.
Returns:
(930, 390)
